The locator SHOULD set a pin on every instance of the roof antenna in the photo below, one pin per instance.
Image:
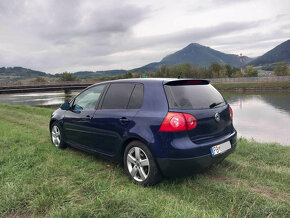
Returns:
(179, 76)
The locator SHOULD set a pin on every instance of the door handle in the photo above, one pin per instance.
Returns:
(124, 120)
(88, 116)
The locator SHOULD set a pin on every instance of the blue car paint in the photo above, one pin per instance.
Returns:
(102, 131)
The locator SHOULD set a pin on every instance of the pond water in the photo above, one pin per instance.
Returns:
(264, 117)
(37, 99)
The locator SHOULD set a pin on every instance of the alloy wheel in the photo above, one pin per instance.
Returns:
(55, 136)
(138, 164)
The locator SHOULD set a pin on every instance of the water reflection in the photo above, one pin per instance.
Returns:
(264, 117)
(38, 99)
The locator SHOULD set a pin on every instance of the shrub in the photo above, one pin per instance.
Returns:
(65, 76)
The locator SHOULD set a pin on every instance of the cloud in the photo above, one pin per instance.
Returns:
(54, 33)
(199, 33)
(71, 35)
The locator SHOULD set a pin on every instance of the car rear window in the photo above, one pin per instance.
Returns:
(193, 96)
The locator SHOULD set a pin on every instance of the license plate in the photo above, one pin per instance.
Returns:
(219, 149)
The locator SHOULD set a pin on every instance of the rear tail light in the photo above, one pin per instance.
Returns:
(231, 113)
(190, 121)
(178, 122)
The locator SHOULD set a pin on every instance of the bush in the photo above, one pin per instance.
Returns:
(65, 76)
(251, 71)
(281, 69)
(39, 79)
(237, 73)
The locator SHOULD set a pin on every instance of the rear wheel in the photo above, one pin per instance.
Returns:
(57, 136)
(140, 164)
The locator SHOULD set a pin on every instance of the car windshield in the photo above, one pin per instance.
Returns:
(193, 96)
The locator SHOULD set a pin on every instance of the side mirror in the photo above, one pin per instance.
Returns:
(65, 106)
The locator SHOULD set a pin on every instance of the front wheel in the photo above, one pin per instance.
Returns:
(140, 164)
(57, 136)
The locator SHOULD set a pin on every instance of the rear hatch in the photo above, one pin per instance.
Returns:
(202, 100)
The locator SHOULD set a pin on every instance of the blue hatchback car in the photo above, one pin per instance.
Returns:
(155, 127)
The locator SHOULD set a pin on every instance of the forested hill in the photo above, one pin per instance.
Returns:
(194, 54)
(278, 54)
(18, 73)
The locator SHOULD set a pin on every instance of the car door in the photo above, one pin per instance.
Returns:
(78, 127)
(115, 115)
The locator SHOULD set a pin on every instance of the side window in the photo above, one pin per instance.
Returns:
(117, 96)
(88, 99)
(136, 99)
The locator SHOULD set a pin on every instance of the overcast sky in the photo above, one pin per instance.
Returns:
(72, 35)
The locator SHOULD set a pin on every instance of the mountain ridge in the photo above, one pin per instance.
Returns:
(193, 54)
(279, 53)
(19, 73)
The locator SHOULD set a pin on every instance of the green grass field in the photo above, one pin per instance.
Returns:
(39, 180)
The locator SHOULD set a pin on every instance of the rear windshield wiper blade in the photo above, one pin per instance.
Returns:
(215, 104)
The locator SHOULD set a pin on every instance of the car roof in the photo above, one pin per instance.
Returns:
(154, 80)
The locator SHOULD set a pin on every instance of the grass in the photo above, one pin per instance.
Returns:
(39, 180)
(253, 85)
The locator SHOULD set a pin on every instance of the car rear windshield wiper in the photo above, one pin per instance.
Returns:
(215, 104)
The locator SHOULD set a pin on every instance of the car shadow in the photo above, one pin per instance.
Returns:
(167, 181)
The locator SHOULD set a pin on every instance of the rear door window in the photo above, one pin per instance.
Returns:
(193, 96)
(118, 95)
(136, 99)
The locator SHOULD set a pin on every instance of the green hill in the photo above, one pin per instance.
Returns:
(278, 54)
(18, 73)
(194, 54)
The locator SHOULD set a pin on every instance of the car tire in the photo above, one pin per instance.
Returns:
(56, 136)
(140, 164)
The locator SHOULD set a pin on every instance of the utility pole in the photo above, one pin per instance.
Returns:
(241, 62)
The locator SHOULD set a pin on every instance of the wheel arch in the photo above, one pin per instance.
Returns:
(135, 138)
(157, 174)
(128, 141)
(51, 122)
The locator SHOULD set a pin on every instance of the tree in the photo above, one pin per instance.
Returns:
(65, 76)
(39, 79)
(281, 69)
(19, 82)
(250, 71)
(223, 73)
(230, 70)
(163, 71)
(126, 75)
(215, 69)
(129, 74)
(237, 73)
(183, 70)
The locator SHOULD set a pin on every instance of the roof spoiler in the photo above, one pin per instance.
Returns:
(187, 82)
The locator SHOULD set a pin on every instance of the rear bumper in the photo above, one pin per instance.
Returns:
(186, 166)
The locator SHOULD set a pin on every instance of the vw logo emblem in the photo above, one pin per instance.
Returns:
(217, 117)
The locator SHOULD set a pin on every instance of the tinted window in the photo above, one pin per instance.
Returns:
(136, 99)
(192, 96)
(88, 99)
(117, 96)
